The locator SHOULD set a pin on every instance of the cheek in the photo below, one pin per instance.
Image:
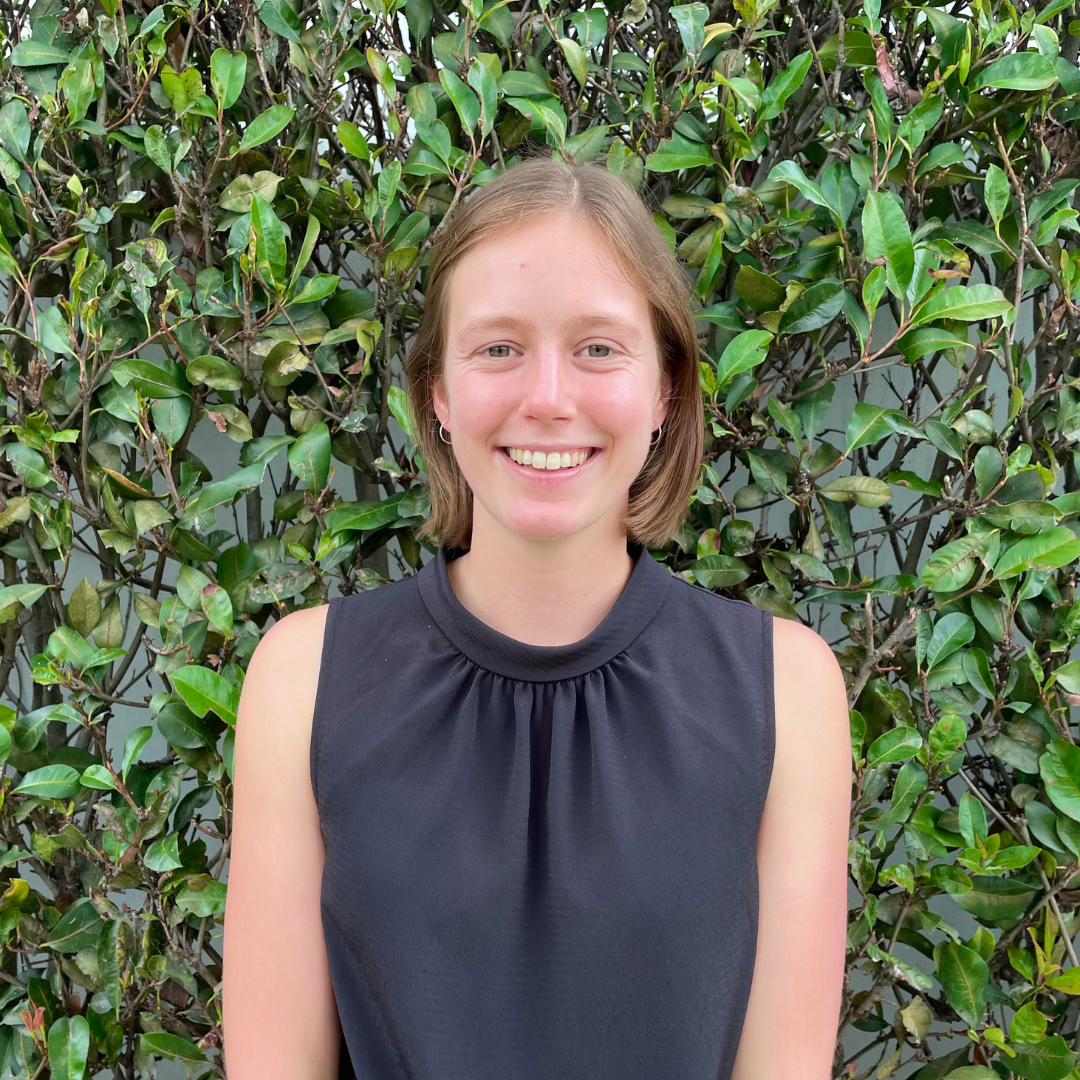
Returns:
(619, 404)
(481, 402)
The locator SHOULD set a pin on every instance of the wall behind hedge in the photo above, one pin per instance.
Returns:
(214, 228)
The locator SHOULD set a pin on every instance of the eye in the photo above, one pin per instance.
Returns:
(599, 345)
(501, 356)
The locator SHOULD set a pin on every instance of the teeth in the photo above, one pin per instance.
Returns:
(552, 460)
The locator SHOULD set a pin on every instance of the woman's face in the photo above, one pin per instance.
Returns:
(550, 357)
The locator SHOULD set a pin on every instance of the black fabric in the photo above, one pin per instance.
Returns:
(541, 861)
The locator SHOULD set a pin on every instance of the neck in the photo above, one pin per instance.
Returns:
(542, 591)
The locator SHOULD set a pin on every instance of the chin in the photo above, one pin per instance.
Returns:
(543, 525)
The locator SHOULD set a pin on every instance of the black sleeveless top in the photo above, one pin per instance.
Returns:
(541, 860)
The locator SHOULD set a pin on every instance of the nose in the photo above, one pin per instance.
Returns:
(549, 386)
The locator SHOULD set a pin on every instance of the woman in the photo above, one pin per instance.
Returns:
(542, 809)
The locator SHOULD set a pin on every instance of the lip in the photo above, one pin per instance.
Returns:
(545, 477)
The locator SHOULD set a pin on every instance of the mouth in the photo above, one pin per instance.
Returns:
(548, 464)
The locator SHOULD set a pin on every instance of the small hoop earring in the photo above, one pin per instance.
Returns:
(442, 433)
(659, 432)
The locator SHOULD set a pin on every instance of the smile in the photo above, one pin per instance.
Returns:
(550, 459)
(546, 465)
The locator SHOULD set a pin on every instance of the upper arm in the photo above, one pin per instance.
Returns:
(279, 1013)
(802, 868)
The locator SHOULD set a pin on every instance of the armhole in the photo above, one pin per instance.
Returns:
(768, 692)
(325, 670)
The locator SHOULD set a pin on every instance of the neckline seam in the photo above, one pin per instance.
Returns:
(556, 678)
(465, 633)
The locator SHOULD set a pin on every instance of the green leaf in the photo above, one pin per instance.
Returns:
(465, 101)
(352, 141)
(865, 490)
(53, 331)
(886, 235)
(33, 53)
(897, 744)
(691, 19)
(50, 782)
(182, 728)
(267, 124)
(24, 594)
(97, 776)
(164, 1043)
(318, 288)
(575, 58)
(163, 855)
(1047, 550)
(951, 566)
(363, 516)
(1049, 1059)
(677, 153)
(238, 195)
(951, 631)
(996, 193)
(487, 90)
(873, 289)
(15, 130)
(1017, 71)
(776, 94)
(925, 340)
(309, 457)
(719, 571)
(743, 353)
(964, 976)
(966, 303)
(270, 254)
(280, 16)
(399, 406)
(815, 308)
(228, 71)
(203, 691)
(78, 928)
(304, 257)
(84, 607)
(1068, 675)
(867, 424)
(148, 378)
(214, 372)
(133, 744)
(761, 292)
(790, 172)
(69, 1045)
(1059, 767)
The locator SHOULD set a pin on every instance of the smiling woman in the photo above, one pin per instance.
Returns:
(562, 273)
(570, 815)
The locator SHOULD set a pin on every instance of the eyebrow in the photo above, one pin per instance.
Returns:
(509, 322)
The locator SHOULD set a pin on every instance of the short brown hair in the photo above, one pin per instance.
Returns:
(660, 494)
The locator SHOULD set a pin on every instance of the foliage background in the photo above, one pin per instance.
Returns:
(214, 223)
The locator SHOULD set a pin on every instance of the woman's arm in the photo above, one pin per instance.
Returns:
(280, 1017)
(790, 1027)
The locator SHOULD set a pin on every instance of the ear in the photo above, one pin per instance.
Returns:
(439, 401)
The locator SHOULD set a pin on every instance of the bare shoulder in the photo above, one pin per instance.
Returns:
(283, 677)
(811, 700)
(293, 645)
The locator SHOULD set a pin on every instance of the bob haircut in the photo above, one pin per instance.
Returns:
(660, 494)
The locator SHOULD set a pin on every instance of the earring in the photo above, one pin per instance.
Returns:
(442, 433)
(659, 432)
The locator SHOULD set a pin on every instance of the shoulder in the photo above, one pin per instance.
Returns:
(282, 678)
(290, 642)
(811, 709)
(713, 604)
